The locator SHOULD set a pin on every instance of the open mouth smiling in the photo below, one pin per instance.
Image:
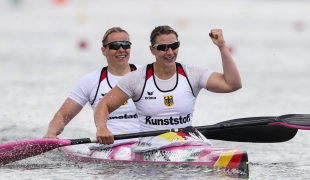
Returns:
(121, 57)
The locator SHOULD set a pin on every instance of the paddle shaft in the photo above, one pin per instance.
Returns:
(251, 129)
(83, 141)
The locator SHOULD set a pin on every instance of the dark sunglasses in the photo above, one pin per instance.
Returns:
(117, 44)
(165, 47)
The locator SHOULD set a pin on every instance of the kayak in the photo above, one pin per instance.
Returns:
(233, 162)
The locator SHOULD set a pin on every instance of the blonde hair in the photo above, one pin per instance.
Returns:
(110, 31)
(159, 30)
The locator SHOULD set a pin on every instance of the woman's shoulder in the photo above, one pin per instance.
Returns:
(86, 84)
(92, 75)
(194, 68)
(190, 66)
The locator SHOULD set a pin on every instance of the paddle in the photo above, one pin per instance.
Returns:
(253, 129)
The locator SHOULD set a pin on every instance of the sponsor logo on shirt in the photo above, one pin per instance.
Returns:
(150, 95)
(125, 116)
(168, 100)
(167, 121)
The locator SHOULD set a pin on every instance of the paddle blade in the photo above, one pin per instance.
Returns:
(255, 134)
(251, 129)
(14, 151)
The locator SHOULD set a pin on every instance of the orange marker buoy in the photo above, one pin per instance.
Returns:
(83, 44)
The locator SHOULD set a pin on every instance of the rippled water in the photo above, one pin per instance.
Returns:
(41, 59)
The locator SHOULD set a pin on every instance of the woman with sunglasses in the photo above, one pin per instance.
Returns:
(95, 85)
(165, 91)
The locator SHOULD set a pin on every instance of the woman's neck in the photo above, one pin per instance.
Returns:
(120, 70)
(164, 73)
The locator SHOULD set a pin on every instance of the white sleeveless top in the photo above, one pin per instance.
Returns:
(122, 120)
(159, 109)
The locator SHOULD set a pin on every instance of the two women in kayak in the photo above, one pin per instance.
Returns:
(175, 85)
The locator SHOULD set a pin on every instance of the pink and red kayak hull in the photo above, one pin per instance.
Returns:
(228, 159)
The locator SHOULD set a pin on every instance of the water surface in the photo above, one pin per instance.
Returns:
(41, 60)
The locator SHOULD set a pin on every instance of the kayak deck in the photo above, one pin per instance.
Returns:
(232, 161)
